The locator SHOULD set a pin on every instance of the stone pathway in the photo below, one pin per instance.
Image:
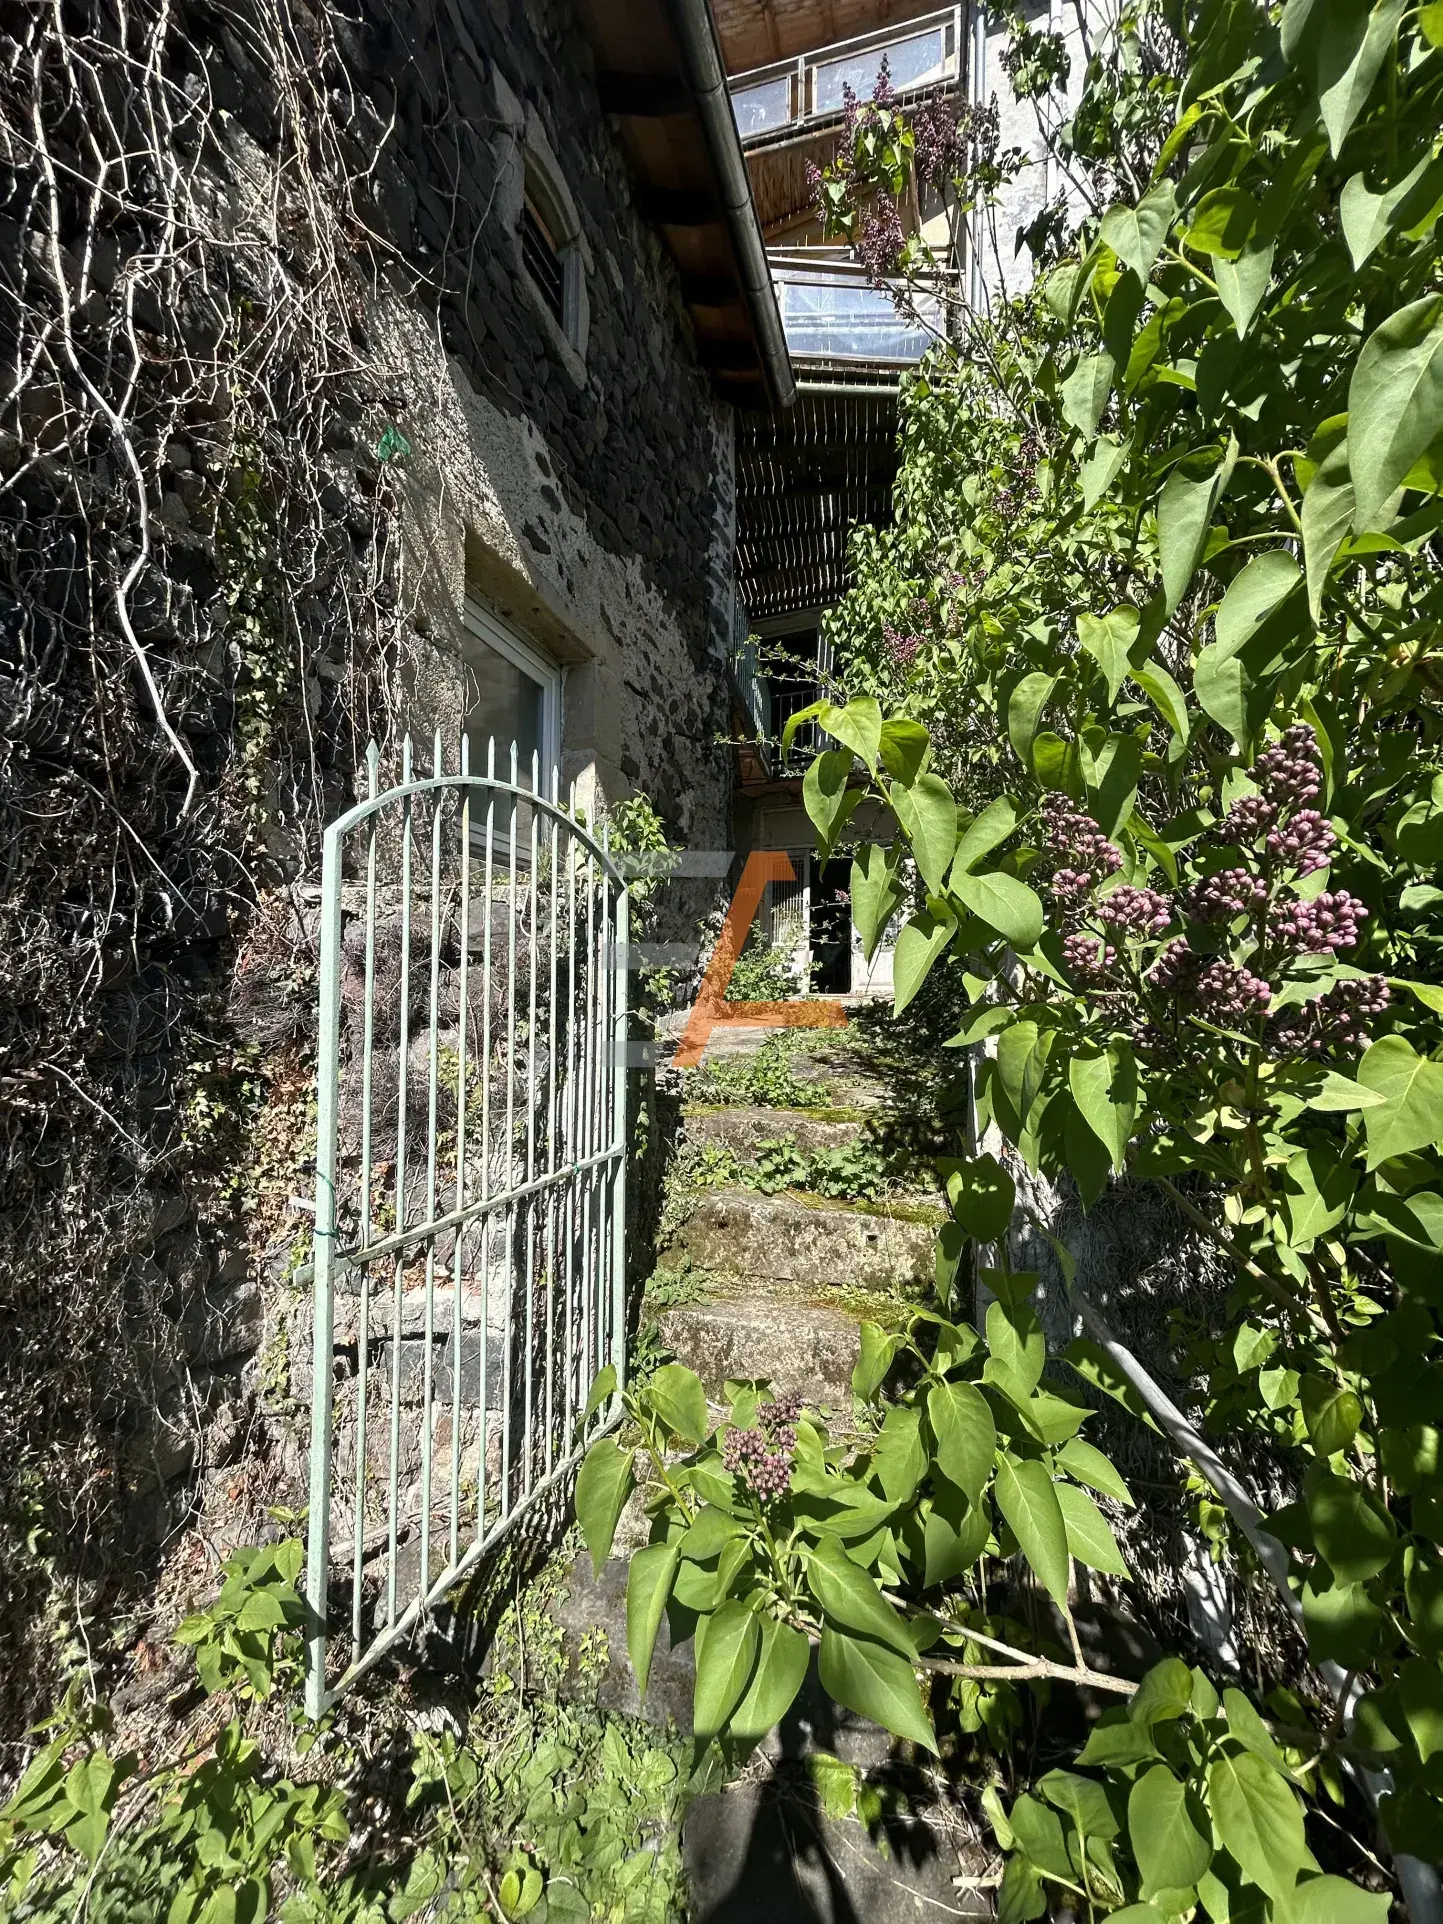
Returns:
(754, 1284)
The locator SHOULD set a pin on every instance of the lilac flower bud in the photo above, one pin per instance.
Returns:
(902, 648)
(1334, 1023)
(1292, 770)
(1307, 843)
(1218, 898)
(762, 1457)
(1087, 956)
(1176, 966)
(1230, 994)
(1135, 911)
(880, 240)
(1084, 854)
(1329, 922)
(1248, 818)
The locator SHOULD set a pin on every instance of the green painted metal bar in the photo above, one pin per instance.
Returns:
(549, 1218)
(322, 1334)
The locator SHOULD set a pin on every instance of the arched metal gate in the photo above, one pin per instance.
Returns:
(470, 1182)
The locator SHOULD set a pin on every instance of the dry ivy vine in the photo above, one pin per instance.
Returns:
(201, 618)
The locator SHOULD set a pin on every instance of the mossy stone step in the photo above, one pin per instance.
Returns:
(797, 1347)
(741, 1129)
(807, 1245)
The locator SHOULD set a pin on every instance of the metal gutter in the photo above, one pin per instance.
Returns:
(706, 77)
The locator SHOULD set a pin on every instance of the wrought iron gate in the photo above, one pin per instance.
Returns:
(473, 1009)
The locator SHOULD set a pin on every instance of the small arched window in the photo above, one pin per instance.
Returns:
(551, 248)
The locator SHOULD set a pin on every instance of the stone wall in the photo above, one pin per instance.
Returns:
(585, 491)
(345, 378)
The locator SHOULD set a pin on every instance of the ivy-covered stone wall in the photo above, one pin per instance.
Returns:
(282, 396)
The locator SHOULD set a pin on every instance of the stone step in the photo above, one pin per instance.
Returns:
(788, 1244)
(741, 1129)
(795, 1347)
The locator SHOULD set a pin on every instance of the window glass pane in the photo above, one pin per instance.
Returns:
(844, 319)
(759, 109)
(909, 62)
(505, 703)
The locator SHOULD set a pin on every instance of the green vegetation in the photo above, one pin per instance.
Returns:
(765, 1078)
(1147, 676)
(533, 1807)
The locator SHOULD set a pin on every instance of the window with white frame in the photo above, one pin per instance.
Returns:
(514, 696)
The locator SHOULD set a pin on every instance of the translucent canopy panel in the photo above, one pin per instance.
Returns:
(761, 108)
(838, 317)
(910, 63)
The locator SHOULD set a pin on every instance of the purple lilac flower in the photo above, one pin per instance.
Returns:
(880, 240)
(762, 1457)
(1334, 1022)
(1248, 818)
(902, 648)
(1218, 898)
(1088, 956)
(1292, 770)
(1084, 853)
(1222, 991)
(1307, 843)
(1230, 994)
(938, 147)
(1329, 922)
(1135, 911)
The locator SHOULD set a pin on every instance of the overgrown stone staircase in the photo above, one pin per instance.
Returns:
(760, 1274)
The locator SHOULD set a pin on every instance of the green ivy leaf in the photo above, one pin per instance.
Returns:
(1411, 1116)
(965, 1434)
(1395, 405)
(677, 1396)
(782, 1659)
(1006, 905)
(1089, 1534)
(875, 1682)
(877, 894)
(1027, 1498)
(602, 1487)
(648, 1585)
(922, 939)
(1171, 1846)
(726, 1650)
(1258, 1820)
(1136, 234)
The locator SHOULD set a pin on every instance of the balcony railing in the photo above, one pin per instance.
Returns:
(830, 312)
(921, 53)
